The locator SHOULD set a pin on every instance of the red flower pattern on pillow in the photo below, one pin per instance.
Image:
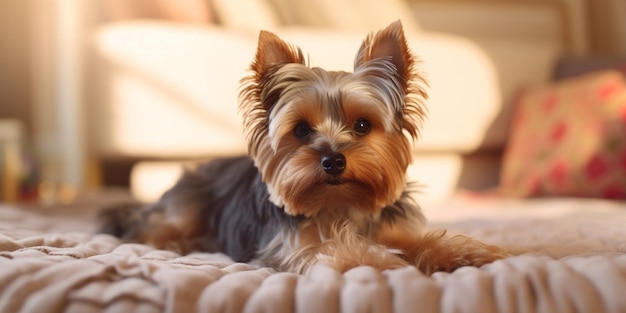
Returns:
(558, 132)
(569, 139)
(596, 168)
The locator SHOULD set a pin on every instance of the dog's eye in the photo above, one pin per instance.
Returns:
(362, 126)
(302, 131)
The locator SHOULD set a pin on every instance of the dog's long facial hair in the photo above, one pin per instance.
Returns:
(325, 182)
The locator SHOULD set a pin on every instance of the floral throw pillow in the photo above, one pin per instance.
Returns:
(569, 139)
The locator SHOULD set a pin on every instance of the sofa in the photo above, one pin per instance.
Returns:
(163, 91)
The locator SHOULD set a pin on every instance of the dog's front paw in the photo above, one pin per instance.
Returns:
(450, 253)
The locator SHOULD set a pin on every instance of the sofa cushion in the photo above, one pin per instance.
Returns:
(569, 139)
(167, 90)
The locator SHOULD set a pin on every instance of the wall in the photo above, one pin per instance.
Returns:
(15, 72)
(591, 27)
(40, 66)
(608, 27)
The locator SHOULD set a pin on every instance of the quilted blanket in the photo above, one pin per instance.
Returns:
(570, 256)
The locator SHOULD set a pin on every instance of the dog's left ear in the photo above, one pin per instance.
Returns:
(390, 44)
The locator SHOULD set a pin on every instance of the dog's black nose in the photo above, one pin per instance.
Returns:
(334, 163)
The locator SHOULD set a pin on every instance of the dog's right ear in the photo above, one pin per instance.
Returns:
(272, 51)
(259, 93)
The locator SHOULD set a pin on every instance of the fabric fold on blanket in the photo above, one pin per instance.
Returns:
(56, 271)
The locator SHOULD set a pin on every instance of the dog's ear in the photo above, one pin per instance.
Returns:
(389, 44)
(272, 51)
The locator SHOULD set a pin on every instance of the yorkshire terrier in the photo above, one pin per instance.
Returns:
(325, 179)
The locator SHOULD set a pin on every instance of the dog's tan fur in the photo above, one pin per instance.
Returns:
(343, 230)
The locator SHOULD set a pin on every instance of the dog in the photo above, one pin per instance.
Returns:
(325, 179)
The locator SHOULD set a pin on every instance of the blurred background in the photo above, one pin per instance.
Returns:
(97, 94)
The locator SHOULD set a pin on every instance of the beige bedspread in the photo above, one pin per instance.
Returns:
(571, 258)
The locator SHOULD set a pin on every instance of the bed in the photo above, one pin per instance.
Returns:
(569, 256)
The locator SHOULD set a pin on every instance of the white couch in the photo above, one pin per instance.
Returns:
(168, 91)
